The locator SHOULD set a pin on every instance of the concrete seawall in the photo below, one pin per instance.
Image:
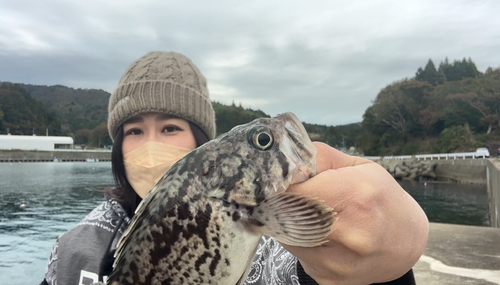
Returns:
(478, 171)
(49, 156)
(493, 177)
(481, 171)
(462, 170)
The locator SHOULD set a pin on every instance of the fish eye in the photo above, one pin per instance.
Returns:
(262, 140)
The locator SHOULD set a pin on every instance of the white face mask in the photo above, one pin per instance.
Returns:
(147, 164)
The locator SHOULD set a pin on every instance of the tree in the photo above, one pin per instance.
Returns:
(77, 108)
(430, 74)
(398, 105)
(457, 138)
(227, 117)
(486, 108)
(388, 109)
(83, 136)
(22, 114)
(100, 136)
(459, 69)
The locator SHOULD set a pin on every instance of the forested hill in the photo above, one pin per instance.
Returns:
(82, 114)
(77, 108)
(450, 109)
(20, 113)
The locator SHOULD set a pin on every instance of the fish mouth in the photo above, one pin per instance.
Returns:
(298, 148)
(291, 122)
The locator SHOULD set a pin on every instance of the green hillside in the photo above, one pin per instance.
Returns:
(81, 113)
(21, 114)
(449, 109)
(77, 108)
(431, 113)
(227, 117)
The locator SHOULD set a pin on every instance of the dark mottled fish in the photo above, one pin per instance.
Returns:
(202, 222)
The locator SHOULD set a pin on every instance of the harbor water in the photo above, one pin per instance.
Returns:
(40, 201)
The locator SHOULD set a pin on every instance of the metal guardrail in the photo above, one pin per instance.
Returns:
(401, 157)
(59, 150)
(80, 150)
(438, 156)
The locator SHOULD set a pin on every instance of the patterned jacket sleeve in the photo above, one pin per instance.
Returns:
(274, 265)
(50, 270)
(78, 254)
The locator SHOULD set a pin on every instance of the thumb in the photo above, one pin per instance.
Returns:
(331, 158)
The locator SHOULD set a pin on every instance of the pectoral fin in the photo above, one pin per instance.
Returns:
(294, 219)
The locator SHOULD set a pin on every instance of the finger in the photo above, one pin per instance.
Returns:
(361, 195)
(334, 186)
(350, 193)
(330, 158)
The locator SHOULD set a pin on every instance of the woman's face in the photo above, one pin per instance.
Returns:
(156, 127)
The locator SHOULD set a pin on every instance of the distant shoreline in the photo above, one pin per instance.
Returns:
(55, 156)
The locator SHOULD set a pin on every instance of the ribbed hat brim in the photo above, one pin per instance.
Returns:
(169, 97)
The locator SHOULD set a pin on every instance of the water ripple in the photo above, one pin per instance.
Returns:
(38, 202)
(56, 196)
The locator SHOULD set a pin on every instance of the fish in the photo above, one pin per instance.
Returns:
(202, 222)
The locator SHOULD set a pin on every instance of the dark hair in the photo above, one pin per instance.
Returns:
(124, 193)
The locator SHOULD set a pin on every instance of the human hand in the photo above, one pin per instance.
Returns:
(381, 231)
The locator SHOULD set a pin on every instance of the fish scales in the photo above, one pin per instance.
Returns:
(202, 222)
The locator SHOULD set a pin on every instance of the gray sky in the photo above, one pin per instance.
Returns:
(323, 60)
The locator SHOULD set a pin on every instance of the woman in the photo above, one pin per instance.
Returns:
(159, 112)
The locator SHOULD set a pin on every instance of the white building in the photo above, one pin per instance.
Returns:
(10, 142)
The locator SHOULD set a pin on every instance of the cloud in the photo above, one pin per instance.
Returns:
(324, 60)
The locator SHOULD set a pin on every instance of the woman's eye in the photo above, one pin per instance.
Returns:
(134, 132)
(169, 129)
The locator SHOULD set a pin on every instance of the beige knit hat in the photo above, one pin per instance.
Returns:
(166, 82)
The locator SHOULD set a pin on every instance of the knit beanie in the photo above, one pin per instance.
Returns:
(165, 82)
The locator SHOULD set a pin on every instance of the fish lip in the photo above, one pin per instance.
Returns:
(290, 117)
(296, 131)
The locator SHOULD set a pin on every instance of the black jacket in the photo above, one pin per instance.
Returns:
(84, 254)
